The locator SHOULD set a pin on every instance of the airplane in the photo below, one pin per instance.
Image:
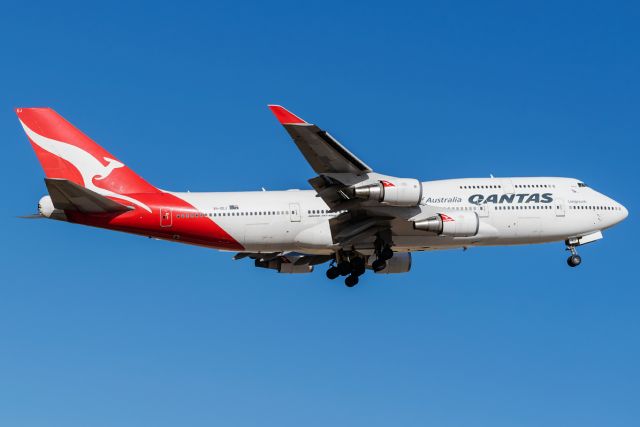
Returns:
(354, 218)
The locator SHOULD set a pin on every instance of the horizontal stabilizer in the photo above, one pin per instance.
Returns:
(32, 216)
(69, 196)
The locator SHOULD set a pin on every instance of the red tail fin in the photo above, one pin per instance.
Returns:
(67, 153)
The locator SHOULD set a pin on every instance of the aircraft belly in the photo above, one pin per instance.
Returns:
(274, 236)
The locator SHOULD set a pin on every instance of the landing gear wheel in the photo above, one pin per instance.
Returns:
(358, 266)
(379, 265)
(351, 280)
(333, 273)
(574, 260)
(344, 268)
(386, 253)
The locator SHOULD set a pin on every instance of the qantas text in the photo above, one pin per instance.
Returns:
(478, 199)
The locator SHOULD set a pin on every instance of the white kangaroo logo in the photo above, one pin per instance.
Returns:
(88, 166)
(111, 165)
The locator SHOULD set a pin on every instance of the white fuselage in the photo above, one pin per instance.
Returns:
(511, 211)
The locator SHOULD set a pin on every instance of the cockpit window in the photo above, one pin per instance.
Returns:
(582, 184)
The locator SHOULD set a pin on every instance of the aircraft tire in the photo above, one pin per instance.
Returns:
(358, 266)
(386, 253)
(574, 260)
(333, 273)
(351, 280)
(379, 265)
(344, 268)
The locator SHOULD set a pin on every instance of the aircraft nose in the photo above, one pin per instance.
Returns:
(624, 213)
(621, 213)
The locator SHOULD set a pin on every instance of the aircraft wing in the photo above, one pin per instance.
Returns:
(323, 152)
(339, 170)
(335, 165)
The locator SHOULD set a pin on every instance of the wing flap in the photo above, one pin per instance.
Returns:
(69, 196)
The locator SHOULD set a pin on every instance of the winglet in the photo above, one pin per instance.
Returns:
(286, 117)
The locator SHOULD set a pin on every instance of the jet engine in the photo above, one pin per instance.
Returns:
(400, 263)
(394, 192)
(460, 224)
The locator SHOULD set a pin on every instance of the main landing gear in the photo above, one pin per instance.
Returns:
(384, 254)
(351, 268)
(352, 265)
(574, 259)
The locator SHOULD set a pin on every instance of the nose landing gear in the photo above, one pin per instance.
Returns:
(574, 259)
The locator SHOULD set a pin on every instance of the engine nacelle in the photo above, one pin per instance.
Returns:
(400, 263)
(394, 192)
(460, 224)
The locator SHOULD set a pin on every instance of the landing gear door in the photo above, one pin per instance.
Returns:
(559, 207)
(294, 212)
(166, 219)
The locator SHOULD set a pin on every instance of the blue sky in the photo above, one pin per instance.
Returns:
(106, 329)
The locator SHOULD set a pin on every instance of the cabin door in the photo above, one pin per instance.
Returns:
(559, 207)
(166, 218)
(294, 212)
